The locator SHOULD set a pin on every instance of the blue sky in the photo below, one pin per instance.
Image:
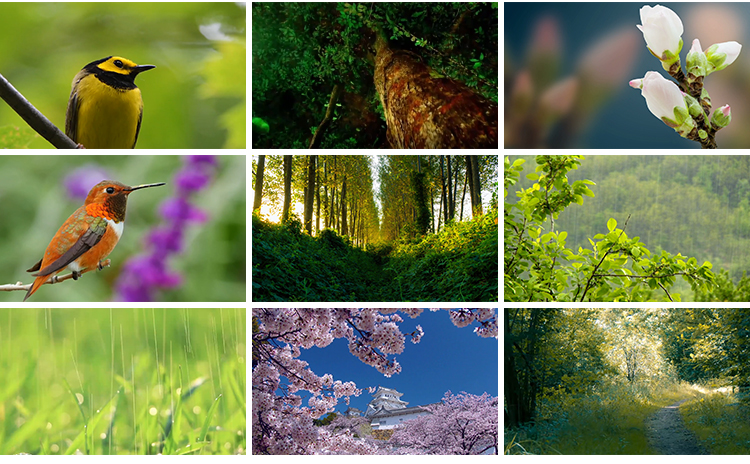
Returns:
(447, 358)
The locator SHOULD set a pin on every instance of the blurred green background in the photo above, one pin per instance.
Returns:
(59, 365)
(195, 98)
(34, 203)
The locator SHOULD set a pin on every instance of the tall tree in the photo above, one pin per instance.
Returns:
(310, 192)
(451, 196)
(472, 173)
(423, 111)
(259, 181)
(287, 187)
(344, 228)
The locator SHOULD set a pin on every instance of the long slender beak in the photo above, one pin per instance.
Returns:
(146, 186)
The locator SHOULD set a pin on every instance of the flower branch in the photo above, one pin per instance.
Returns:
(684, 106)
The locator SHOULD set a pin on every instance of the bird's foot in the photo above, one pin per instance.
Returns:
(76, 275)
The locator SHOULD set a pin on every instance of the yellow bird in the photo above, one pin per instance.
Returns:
(105, 106)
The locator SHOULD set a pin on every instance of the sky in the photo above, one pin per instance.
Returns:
(447, 358)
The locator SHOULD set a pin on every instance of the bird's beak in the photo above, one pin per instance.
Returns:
(146, 186)
(144, 67)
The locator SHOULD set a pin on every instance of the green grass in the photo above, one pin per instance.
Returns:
(611, 421)
(720, 422)
(122, 381)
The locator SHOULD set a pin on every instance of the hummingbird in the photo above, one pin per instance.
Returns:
(89, 235)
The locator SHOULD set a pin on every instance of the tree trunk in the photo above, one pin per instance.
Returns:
(463, 196)
(310, 192)
(344, 228)
(451, 199)
(287, 187)
(259, 181)
(422, 111)
(472, 174)
(476, 204)
(442, 194)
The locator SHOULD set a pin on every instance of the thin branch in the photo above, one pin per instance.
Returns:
(33, 117)
(611, 249)
(320, 131)
(52, 280)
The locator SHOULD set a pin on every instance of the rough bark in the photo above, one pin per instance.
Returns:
(423, 111)
(259, 182)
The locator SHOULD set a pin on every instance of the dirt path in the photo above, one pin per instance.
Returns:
(667, 433)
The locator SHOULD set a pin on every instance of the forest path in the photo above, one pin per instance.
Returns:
(667, 433)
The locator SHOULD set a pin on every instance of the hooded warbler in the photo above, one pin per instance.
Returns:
(105, 106)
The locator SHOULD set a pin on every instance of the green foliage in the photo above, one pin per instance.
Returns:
(699, 206)
(540, 267)
(330, 417)
(459, 263)
(300, 50)
(709, 343)
(123, 381)
(261, 126)
(719, 422)
(291, 266)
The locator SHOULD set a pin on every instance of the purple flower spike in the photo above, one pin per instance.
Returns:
(143, 276)
(81, 180)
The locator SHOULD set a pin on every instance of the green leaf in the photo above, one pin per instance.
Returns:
(611, 224)
(207, 421)
(260, 126)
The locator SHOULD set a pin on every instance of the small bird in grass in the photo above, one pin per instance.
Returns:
(105, 106)
(89, 235)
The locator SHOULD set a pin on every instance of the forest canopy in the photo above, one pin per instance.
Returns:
(314, 68)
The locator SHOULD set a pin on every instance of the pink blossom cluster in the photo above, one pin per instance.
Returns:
(460, 424)
(281, 425)
(486, 317)
(280, 422)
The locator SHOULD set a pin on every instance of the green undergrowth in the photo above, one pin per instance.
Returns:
(608, 421)
(289, 265)
(720, 421)
(460, 263)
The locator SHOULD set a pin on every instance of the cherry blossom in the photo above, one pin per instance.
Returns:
(282, 423)
(460, 424)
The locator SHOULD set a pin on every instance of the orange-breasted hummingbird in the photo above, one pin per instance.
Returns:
(89, 235)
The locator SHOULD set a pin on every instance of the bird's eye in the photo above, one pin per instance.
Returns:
(118, 63)
(110, 190)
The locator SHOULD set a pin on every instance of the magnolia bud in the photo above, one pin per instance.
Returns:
(697, 63)
(721, 117)
(662, 29)
(722, 55)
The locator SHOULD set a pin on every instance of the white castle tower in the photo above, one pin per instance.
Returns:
(386, 410)
(385, 399)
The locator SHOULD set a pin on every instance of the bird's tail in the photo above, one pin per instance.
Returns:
(35, 286)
